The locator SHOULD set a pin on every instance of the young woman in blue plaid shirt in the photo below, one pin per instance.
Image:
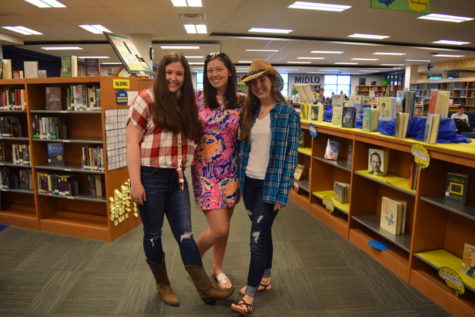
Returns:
(269, 137)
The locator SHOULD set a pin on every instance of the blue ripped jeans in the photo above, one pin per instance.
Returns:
(164, 197)
(262, 216)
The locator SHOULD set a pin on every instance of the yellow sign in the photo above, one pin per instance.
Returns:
(452, 279)
(121, 83)
(419, 5)
(421, 155)
(328, 203)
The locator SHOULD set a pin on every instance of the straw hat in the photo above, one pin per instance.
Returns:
(260, 67)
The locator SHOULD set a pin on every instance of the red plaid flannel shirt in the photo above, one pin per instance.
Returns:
(159, 147)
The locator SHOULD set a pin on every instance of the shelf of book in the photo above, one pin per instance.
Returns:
(429, 222)
(462, 91)
(378, 90)
(80, 115)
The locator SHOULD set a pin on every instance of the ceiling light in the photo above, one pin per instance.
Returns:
(364, 59)
(356, 43)
(445, 18)
(196, 28)
(392, 64)
(194, 56)
(447, 55)
(95, 28)
(187, 3)
(46, 3)
(314, 72)
(23, 30)
(196, 63)
(345, 63)
(389, 53)
(369, 36)
(450, 42)
(304, 57)
(418, 60)
(245, 62)
(257, 50)
(60, 48)
(326, 52)
(318, 6)
(99, 57)
(298, 62)
(111, 63)
(270, 30)
(179, 47)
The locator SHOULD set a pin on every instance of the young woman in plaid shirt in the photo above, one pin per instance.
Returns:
(270, 133)
(162, 127)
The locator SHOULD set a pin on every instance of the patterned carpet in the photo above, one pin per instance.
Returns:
(316, 273)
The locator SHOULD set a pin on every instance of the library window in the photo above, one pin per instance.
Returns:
(199, 80)
(334, 84)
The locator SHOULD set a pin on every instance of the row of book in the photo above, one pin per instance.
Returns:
(68, 185)
(93, 157)
(77, 98)
(332, 151)
(10, 126)
(20, 153)
(14, 178)
(12, 99)
(48, 127)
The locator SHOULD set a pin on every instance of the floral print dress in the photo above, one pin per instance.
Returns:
(214, 170)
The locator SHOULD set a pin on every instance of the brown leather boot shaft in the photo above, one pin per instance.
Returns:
(163, 284)
(203, 285)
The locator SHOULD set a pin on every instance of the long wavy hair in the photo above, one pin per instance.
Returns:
(252, 106)
(210, 92)
(176, 112)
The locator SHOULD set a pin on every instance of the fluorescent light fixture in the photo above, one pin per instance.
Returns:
(436, 49)
(318, 6)
(315, 73)
(95, 28)
(245, 62)
(390, 53)
(46, 3)
(447, 55)
(450, 42)
(99, 57)
(298, 62)
(179, 47)
(305, 57)
(257, 50)
(369, 36)
(345, 63)
(418, 60)
(326, 52)
(187, 3)
(356, 43)
(194, 57)
(364, 59)
(445, 18)
(270, 30)
(21, 29)
(196, 63)
(392, 64)
(111, 63)
(196, 28)
(61, 48)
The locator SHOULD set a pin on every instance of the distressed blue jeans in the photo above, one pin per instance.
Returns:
(164, 197)
(262, 216)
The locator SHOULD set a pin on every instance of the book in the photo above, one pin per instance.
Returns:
(332, 149)
(55, 153)
(387, 108)
(30, 69)
(53, 98)
(341, 192)
(7, 69)
(378, 161)
(391, 214)
(314, 112)
(402, 122)
(431, 128)
(321, 110)
(304, 111)
(69, 66)
(370, 119)
(298, 172)
(468, 260)
(349, 117)
(456, 188)
(439, 103)
(337, 116)
(92, 67)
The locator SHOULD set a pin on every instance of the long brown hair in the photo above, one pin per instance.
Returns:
(210, 92)
(252, 105)
(175, 112)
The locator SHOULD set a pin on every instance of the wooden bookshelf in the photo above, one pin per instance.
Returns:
(378, 90)
(462, 91)
(80, 215)
(432, 226)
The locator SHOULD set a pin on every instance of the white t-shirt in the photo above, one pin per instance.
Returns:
(260, 149)
(463, 116)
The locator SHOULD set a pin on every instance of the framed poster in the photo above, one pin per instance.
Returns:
(128, 54)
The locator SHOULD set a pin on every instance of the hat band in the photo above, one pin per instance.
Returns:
(255, 72)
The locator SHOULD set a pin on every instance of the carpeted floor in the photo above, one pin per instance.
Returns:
(315, 273)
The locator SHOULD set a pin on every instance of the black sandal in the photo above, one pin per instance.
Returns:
(266, 288)
(242, 308)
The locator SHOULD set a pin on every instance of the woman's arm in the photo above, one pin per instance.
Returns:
(134, 136)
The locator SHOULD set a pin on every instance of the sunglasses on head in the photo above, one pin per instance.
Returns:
(215, 55)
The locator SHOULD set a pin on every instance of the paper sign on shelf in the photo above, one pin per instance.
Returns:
(421, 155)
(328, 203)
(452, 279)
(121, 83)
(121, 97)
(313, 130)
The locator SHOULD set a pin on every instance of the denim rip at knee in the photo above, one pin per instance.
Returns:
(164, 197)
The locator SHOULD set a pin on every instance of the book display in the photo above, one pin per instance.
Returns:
(419, 214)
(54, 162)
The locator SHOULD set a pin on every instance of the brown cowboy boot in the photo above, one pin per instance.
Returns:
(203, 285)
(163, 284)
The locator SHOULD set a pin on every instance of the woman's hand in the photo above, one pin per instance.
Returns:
(277, 207)
(138, 193)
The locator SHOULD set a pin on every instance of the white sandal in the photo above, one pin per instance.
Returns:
(222, 279)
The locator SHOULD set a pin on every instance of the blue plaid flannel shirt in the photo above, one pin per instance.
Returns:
(279, 179)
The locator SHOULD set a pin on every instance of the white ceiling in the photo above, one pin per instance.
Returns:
(228, 22)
